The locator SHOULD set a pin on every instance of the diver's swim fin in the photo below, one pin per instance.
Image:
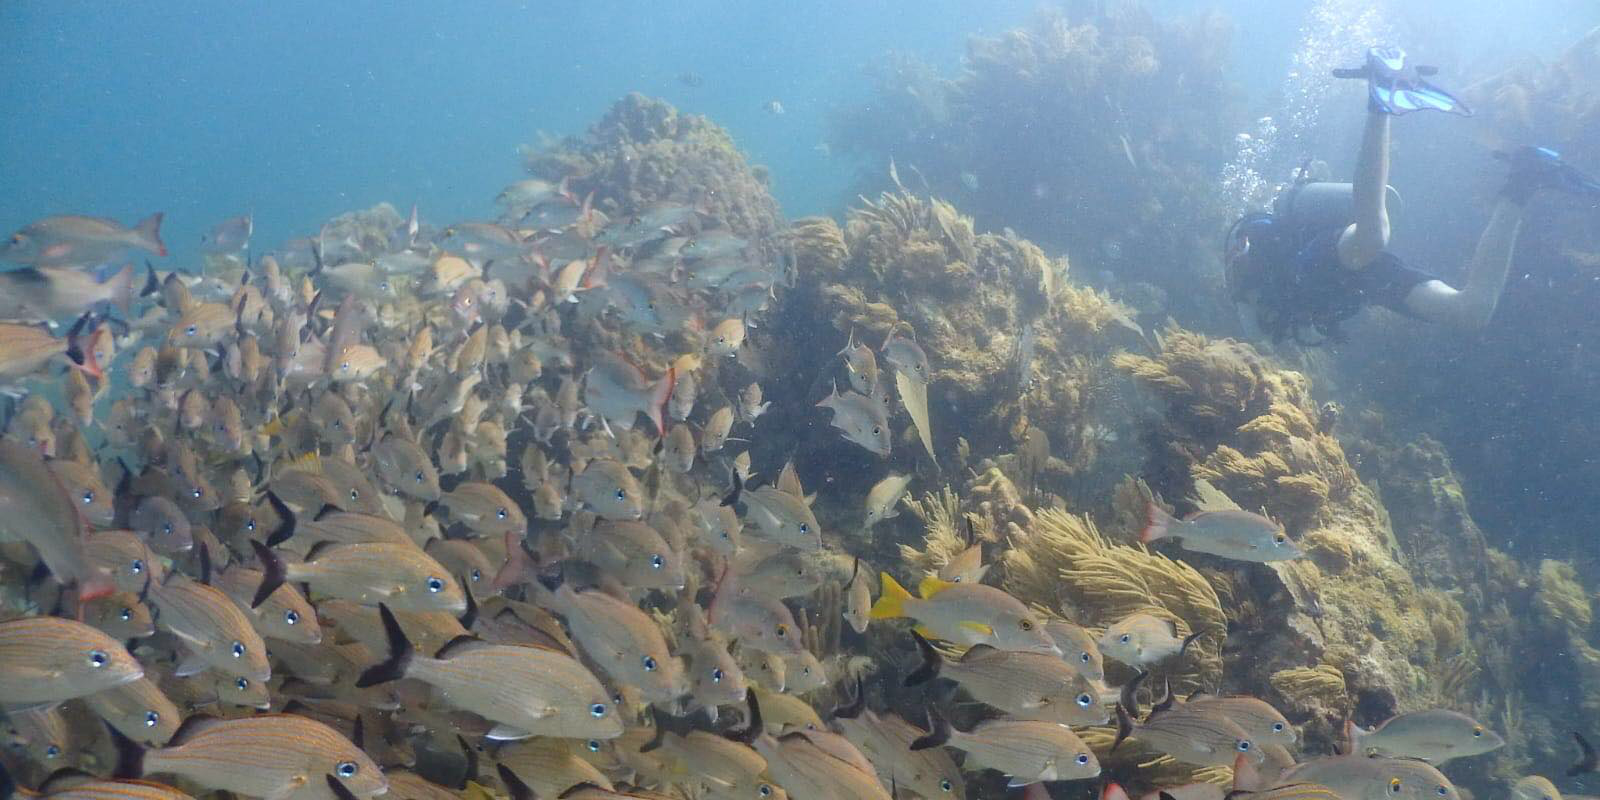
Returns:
(1534, 168)
(1394, 87)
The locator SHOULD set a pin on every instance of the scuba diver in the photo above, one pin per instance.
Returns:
(1319, 257)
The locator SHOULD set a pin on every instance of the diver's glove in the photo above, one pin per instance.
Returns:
(1395, 87)
(1535, 168)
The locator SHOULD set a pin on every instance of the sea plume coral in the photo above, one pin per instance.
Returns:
(1061, 562)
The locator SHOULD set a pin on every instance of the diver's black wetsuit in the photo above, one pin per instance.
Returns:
(1323, 285)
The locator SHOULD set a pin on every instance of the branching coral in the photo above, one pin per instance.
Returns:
(818, 244)
(1062, 562)
(1317, 691)
(944, 531)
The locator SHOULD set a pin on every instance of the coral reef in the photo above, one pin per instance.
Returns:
(1235, 421)
(1104, 110)
(645, 151)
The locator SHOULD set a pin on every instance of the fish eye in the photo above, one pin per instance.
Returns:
(876, 431)
(593, 745)
(126, 614)
(1084, 656)
(52, 751)
(657, 562)
(419, 476)
(1441, 790)
(783, 630)
(347, 769)
(238, 650)
(138, 566)
(197, 492)
(1025, 624)
(1394, 786)
(88, 497)
(435, 585)
(250, 524)
(1243, 745)
(716, 675)
(766, 791)
(1082, 759)
(151, 718)
(477, 574)
(1126, 638)
(242, 684)
(191, 330)
(344, 366)
(622, 495)
(1084, 700)
(500, 513)
(355, 494)
(98, 658)
(291, 617)
(805, 527)
(166, 528)
(1477, 732)
(1280, 537)
(1277, 727)
(945, 785)
(649, 664)
(597, 710)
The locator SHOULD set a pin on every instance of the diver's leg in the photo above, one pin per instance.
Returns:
(1362, 241)
(1472, 306)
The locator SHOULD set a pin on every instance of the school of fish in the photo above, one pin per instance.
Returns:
(462, 512)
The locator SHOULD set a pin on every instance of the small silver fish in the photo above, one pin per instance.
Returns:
(1239, 535)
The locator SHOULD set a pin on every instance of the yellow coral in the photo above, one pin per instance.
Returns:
(1062, 562)
(1561, 596)
(944, 531)
(818, 244)
(1312, 690)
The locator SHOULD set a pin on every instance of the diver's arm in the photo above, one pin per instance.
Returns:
(1362, 241)
(1470, 308)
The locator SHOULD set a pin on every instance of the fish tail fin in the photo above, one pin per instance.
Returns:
(1246, 778)
(1113, 791)
(77, 337)
(130, 756)
(1188, 640)
(519, 564)
(856, 705)
(287, 522)
(932, 662)
(1124, 727)
(1158, 523)
(938, 734)
(515, 785)
(273, 573)
(659, 398)
(1588, 760)
(151, 283)
(149, 230)
(891, 601)
(738, 487)
(122, 289)
(753, 729)
(392, 668)
(1352, 737)
(1130, 692)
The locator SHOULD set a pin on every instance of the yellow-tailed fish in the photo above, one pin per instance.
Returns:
(966, 614)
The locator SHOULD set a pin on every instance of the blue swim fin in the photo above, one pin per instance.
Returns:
(1534, 168)
(1394, 87)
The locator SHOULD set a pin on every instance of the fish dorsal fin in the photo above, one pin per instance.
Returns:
(789, 481)
(319, 550)
(461, 644)
(195, 725)
(932, 585)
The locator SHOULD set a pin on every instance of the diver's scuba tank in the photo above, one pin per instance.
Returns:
(1308, 205)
